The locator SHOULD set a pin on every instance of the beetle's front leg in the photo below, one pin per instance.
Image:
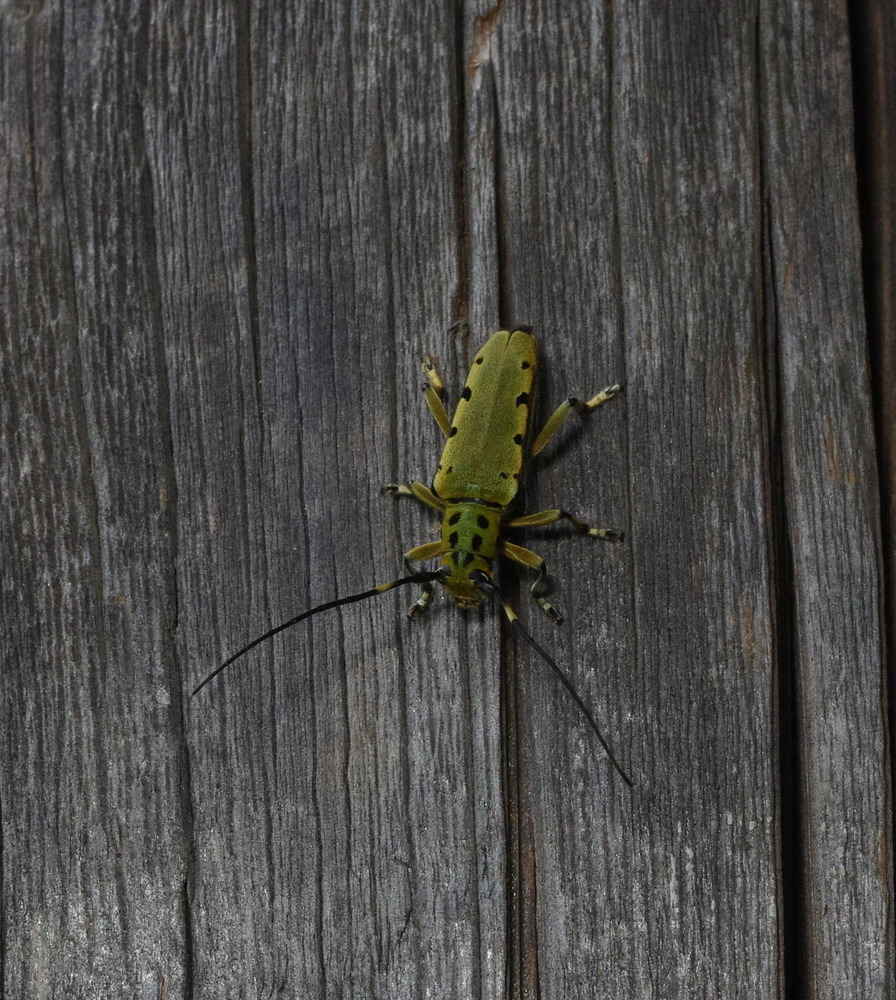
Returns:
(428, 551)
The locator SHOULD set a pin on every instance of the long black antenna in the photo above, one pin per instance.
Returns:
(485, 581)
(381, 589)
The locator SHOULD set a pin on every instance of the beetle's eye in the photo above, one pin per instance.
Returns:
(480, 578)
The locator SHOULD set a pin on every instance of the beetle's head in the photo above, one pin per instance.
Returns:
(458, 577)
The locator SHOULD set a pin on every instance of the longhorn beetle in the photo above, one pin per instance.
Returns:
(474, 487)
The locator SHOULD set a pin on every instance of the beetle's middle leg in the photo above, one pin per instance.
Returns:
(428, 551)
(551, 516)
(534, 561)
(558, 417)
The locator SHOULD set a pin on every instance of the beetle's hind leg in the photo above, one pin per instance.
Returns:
(543, 517)
(428, 551)
(433, 392)
(534, 561)
(558, 417)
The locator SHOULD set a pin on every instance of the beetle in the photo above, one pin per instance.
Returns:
(473, 490)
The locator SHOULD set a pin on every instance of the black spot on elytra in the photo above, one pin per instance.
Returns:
(478, 361)
(503, 475)
(522, 398)
(465, 558)
(482, 521)
(477, 542)
(454, 518)
(517, 438)
(452, 539)
(452, 432)
(466, 393)
(525, 364)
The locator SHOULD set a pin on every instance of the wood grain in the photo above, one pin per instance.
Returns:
(831, 496)
(650, 275)
(229, 234)
(95, 833)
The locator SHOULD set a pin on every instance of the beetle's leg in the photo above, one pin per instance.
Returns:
(437, 409)
(432, 376)
(534, 561)
(428, 551)
(558, 417)
(432, 393)
(418, 490)
(551, 516)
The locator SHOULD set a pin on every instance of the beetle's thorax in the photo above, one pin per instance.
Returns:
(470, 530)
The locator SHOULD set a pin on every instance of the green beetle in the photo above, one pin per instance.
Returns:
(478, 475)
(473, 489)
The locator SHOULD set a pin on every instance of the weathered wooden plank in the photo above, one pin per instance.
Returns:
(501, 91)
(347, 804)
(633, 245)
(816, 316)
(196, 125)
(93, 879)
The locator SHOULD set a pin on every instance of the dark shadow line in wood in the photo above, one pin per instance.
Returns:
(872, 30)
(521, 930)
(471, 784)
(790, 766)
(791, 814)
(510, 771)
(508, 774)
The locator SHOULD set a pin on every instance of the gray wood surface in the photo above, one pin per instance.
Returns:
(228, 234)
